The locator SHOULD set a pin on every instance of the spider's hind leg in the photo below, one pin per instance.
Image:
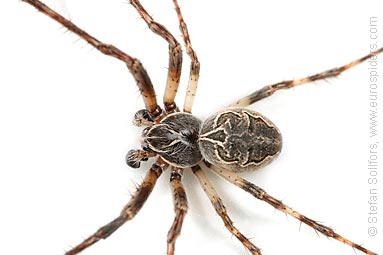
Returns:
(221, 210)
(261, 194)
(268, 90)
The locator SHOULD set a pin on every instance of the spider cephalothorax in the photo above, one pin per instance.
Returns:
(175, 139)
(232, 140)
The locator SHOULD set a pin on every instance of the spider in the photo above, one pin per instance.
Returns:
(153, 117)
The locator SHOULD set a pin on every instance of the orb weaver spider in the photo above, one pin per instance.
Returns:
(156, 116)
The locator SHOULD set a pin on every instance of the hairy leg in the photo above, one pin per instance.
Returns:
(134, 65)
(180, 208)
(261, 194)
(268, 90)
(175, 56)
(194, 65)
(221, 210)
(129, 211)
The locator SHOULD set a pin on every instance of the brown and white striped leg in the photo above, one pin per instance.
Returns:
(267, 91)
(221, 210)
(194, 65)
(261, 194)
(175, 57)
(134, 65)
(129, 211)
(180, 208)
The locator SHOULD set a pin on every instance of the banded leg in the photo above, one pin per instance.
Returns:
(175, 57)
(221, 210)
(261, 194)
(194, 65)
(267, 91)
(180, 208)
(129, 211)
(134, 65)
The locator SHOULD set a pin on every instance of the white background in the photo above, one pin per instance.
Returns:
(66, 115)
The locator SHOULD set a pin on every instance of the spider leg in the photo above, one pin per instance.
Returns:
(194, 65)
(175, 57)
(261, 194)
(134, 65)
(129, 211)
(221, 210)
(180, 208)
(268, 90)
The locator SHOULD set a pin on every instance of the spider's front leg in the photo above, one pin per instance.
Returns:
(261, 194)
(175, 59)
(134, 65)
(175, 56)
(194, 65)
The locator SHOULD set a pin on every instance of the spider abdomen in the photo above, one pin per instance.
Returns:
(175, 139)
(239, 139)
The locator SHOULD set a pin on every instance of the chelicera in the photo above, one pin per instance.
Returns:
(232, 140)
